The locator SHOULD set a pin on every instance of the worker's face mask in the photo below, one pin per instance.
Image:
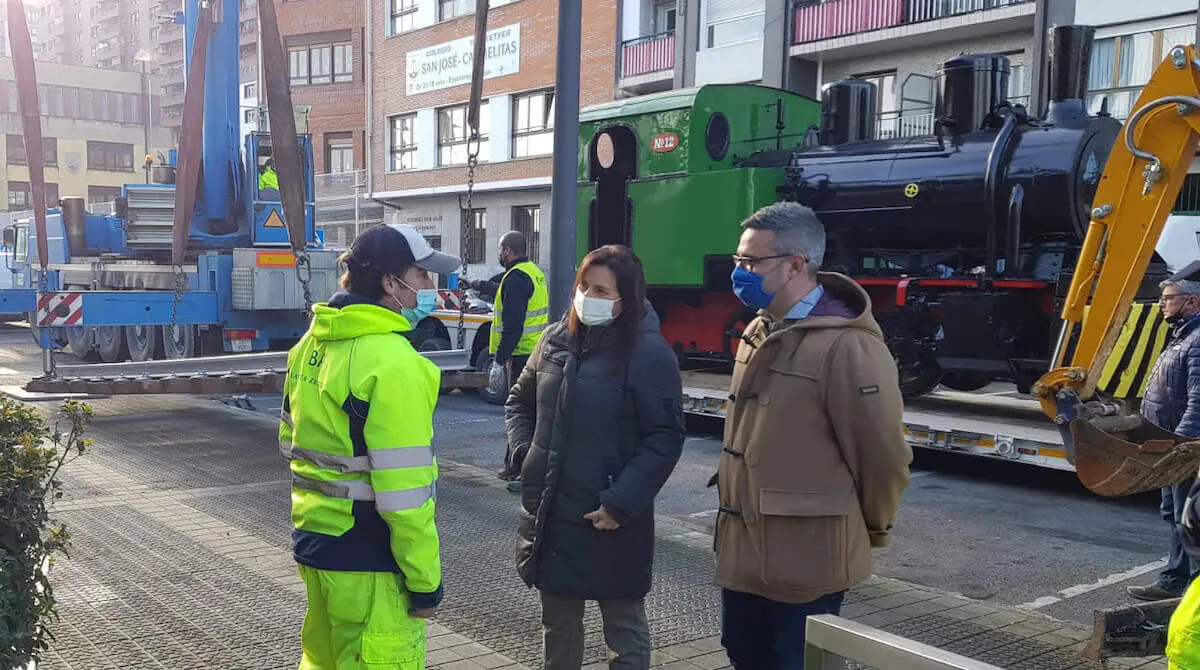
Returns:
(426, 303)
(594, 311)
(748, 287)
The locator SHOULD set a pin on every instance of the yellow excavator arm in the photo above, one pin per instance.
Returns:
(1115, 451)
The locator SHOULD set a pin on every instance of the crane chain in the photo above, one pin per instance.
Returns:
(472, 161)
(180, 283)
(304, 261)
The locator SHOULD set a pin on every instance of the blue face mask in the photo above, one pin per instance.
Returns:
(748, 287)
(426, 303)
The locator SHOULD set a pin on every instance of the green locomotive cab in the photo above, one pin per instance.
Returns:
(661, 174)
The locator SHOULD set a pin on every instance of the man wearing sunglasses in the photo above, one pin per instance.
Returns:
(814, 462)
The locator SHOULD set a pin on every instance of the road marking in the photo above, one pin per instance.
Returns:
(1080, 589)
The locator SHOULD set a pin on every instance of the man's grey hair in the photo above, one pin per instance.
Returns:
(514, 241)
(797, 231)
(1185, 286)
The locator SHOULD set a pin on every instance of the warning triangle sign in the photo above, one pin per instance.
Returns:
(273, 220)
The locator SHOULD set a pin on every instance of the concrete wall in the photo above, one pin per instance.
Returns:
(439, 215)
(926, 61)
(1106, 12)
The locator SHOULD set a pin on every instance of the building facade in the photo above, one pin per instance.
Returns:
(418, 133)
(94, 128)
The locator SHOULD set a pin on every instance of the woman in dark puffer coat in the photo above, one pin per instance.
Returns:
(599, 408)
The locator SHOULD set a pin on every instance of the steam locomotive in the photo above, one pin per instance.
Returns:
(964, 238)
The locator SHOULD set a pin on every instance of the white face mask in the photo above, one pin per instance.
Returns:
(594, 311)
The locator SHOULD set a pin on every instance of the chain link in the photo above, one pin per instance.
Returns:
(472, 161)
(304, 261)
(180, 284)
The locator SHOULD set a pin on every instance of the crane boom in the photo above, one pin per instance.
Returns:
(1114, 450)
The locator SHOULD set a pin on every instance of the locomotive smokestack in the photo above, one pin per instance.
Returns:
(1070, 58)
(970, 87)
(847, 111)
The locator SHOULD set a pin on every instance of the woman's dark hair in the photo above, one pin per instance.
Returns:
(376, 252)
(631, 286)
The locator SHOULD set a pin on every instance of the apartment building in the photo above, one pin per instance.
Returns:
(138, 35)
(95, 132)
(417, 130)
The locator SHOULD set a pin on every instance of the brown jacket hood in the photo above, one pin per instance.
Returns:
(844, 305)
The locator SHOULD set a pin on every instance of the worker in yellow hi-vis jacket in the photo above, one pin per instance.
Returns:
(357, 424)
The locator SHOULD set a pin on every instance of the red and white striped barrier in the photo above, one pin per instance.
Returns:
(60, 308)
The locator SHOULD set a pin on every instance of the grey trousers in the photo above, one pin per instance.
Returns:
(626, 633)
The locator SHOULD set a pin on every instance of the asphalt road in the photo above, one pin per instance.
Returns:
(987, 529)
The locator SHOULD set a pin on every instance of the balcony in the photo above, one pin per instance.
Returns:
(840, 27)
(913, 122)
(648, 63)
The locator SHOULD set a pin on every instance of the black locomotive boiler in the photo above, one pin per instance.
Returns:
(965, 238)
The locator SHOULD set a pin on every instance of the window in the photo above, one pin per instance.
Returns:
(248, 116)
(728, 22)
(20, 196)
(14, 152)
(339, 152)
(97, 194)
(474, 235)
(404, 16)
(664, 18)
(317, 64)
(450, 9)
(1122, 65)
(109, 156)
(435, 242)
(343, 63)
(404, 142)
(533, 124)
(453, 134)
(527, 220)
(249, 91)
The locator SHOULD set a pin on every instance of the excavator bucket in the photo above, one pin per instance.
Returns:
(1124, 455)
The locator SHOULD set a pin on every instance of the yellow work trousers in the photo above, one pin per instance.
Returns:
(359, 621)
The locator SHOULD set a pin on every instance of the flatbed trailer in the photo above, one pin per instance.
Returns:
(994, 426)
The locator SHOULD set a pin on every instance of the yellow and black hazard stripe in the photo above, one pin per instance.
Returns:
(1137, 348)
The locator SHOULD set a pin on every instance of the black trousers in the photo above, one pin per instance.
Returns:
(513, 458)
(762, 634)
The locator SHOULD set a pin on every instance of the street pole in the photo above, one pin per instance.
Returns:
(566, 157)
(146, 125)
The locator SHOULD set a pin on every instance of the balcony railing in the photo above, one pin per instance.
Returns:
(909, 123)
(654, 53)
(817, 20)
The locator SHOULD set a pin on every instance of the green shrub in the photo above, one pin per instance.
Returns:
(31, 455)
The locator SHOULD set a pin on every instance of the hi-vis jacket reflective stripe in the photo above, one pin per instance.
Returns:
(537, 313)
(357, 424)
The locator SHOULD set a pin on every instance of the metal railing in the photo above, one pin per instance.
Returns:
(816, 20)
(912, 122)
(344, 206)
(643, 55)
(834, 643)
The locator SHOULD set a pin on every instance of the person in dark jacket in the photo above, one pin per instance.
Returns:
(598, 408)
(1172, 402)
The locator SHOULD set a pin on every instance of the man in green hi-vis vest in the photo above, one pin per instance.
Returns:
(520, 315)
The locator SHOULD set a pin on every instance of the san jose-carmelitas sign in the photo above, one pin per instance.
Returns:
(449, 64)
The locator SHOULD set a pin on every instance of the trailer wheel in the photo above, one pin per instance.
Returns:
(961, 380)
(81, 342)
(434, 344)
(110, 343)
(179, 341)
(144, 342)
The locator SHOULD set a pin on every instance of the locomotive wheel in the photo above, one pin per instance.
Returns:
(962, 380)
(144, 342)
(917, 379)
(110, 343)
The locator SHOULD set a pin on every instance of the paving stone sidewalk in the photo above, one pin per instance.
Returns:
(167, 574)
